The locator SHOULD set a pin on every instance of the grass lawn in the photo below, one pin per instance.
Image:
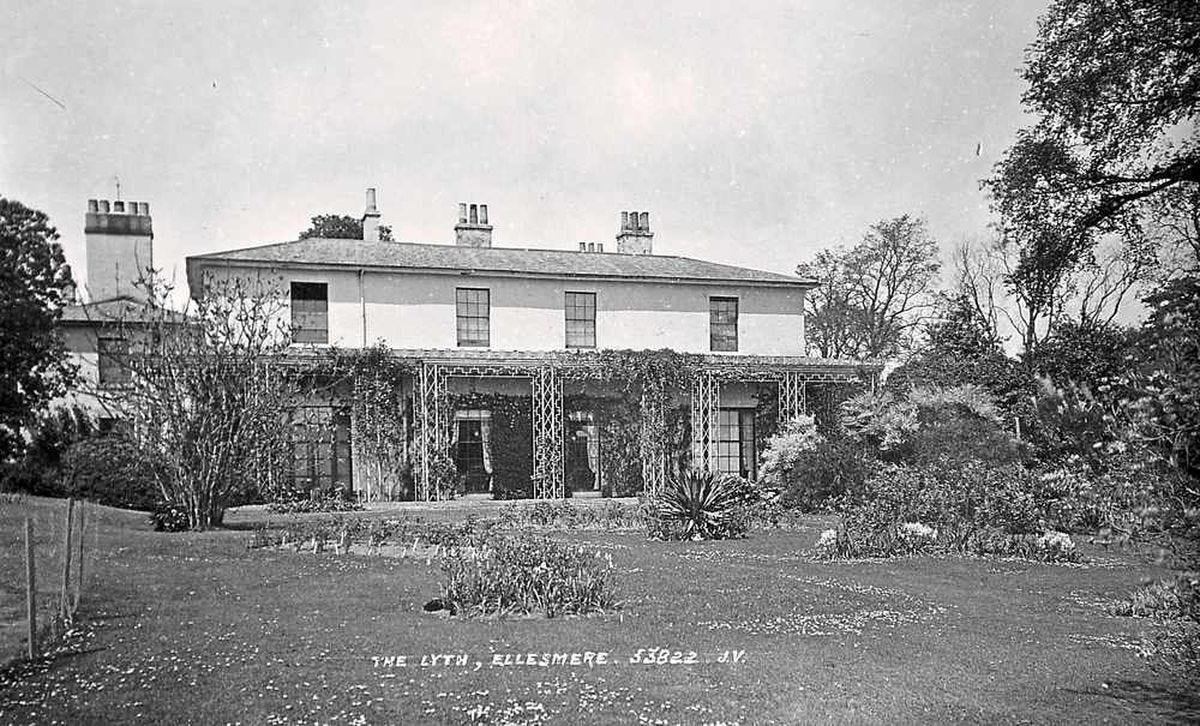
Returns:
(193, 628)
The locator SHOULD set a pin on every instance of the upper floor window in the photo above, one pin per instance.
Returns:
(310, 312)
(581, 319)
(723, 324)
(474, 316)
(112, 360)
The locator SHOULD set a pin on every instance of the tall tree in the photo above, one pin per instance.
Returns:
(34, 280)
(872, 294)
(1115, 85)
(341, 226)
(1118, 82)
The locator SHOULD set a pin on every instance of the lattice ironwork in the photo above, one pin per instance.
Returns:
(653, 441)
(547, 434)
(706, 404)
(793, 390)
(430, 425)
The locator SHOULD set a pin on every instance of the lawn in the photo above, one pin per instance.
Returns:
(195, 628)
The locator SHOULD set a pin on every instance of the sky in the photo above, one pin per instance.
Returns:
(755, 133)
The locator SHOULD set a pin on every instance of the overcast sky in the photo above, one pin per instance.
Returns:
(754, 133)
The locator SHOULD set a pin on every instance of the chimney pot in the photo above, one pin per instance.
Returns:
(583, 246)
(146, 208)
(635, 237)
(93, 206)
(370, 218)
(103, 206)
(473, 228)
(599, 246)
(118, 207)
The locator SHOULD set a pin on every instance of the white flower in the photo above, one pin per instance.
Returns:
(916, 530)
(1056, 541)
(827, 540)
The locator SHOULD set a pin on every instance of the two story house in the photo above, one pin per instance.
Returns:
(540, 330)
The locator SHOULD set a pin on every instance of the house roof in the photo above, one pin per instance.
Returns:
(121, 309)
(501, 260)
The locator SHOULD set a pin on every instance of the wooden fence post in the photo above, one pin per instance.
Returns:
(64, 604)
(30, 588)
(79, 576)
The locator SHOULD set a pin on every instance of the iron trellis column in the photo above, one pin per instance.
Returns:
(547, 393)
(706, 403)
(653, 442)
(429, 424)
(792, 395)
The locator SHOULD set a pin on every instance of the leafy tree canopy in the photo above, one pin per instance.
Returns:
(34, 279)
(1116, 84)
(341, 226)
(1083, 353)
(871, 295)
(961, 349)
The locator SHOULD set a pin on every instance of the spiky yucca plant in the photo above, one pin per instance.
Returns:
(700, 505)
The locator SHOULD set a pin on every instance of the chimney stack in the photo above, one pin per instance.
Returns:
(635, 237)
(473, 229)
(370, 218)
(119, 246)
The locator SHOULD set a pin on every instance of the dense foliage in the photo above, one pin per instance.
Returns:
(34, 286)
(110, 470)
(341, 226)
(958, 506)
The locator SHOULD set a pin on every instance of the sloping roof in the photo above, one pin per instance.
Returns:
(120, 309)
(506, 260)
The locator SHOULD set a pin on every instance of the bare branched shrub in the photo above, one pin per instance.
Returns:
(209, 393)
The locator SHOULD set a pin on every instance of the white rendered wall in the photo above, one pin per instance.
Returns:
(417, 310)
(115, 262)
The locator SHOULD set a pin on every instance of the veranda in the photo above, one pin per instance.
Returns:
(558, 424)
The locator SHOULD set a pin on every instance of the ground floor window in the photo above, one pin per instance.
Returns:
(472, 448)
(582, 464)
(735, 442)
(321, 449)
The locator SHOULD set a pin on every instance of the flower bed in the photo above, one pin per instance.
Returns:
(522, 576)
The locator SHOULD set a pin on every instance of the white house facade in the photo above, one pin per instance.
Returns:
(536, 351)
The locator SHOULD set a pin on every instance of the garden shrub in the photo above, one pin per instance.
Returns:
(699, 505)
(784, 450)
(40, 470)
(529, 575)
(110, 470)
(836, 469)
(1173, 597)
(957, 506)
(956, 422)
(168, 517)
(1175, 603)
(810, 470)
